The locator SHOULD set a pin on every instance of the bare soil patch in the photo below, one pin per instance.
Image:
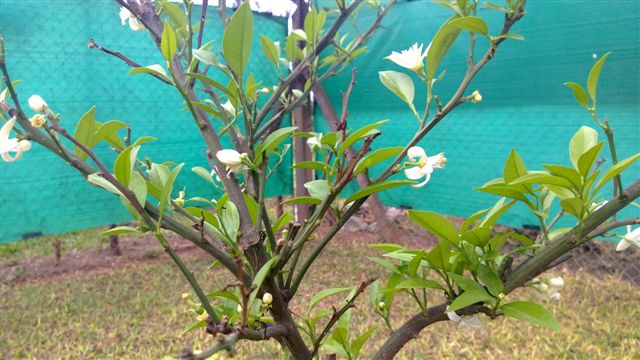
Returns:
(598, 258)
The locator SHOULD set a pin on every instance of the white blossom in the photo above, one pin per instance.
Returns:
(37, 104)
(231, 158)
(471, 322)
(475, 97)
(630, 238)
(134, 23)
(314, 142)
(424, 165)
(267, 298)
(8, 146)
(411, 58)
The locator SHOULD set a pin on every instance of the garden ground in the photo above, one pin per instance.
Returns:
(94, 305)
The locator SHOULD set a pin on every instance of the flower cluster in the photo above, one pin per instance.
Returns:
(424, 165)
(551, 287)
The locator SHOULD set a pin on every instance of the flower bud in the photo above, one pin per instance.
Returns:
(38, 121)
(381, 305)
(239, 308)
(185, 296)
(267, 298)
(556, 282)
(476, 97)
(37, 104)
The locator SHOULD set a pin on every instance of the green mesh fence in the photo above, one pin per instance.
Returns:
(46, 45)
(525, 104)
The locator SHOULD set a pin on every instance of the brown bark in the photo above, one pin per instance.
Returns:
(385, 227)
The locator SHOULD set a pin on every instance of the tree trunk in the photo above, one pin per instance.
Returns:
(301, 119)
(385, 227)
(114, 243)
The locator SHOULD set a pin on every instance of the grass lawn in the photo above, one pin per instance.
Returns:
(135, 311)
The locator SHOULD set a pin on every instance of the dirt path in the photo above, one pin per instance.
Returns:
(597, 258)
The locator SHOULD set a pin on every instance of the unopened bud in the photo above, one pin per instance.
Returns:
(381, 304)
(185, 296)
(475, 97)
(264, 90)
(239, 308)
(267, 298)
(37, 104)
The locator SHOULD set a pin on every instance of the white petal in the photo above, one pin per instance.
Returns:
(633, 235)
(8, 158)
(8, 145)
(454, 317)
(414, 173)
(426, 180)
(229, 157)
(622, 245)
(472, 322)
(24, 145)
(556, 282)
(37, 104)
(555, 296)
(124, 15)
(6, 129)
(437, 161)
(427, 169)
(135, 25)
(416, 153)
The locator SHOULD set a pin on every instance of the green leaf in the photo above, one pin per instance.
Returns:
(579, 94)
(464, 283)
(303, 200)
(570, 174)
(471, 24)
(502, 9)
(151, 69)
(506, 190)
(121, 230)
(469, 298)
(583, 140)
(376, 157)
(542, 177)
(514, 167)
(385, 185)
(442, 42)
(270, 49)
(124, 164)
(168, 43)
(175, 14)
(260, 276)
(167, 187)
(399, 83)
(211, 82)
(594, 75)
(511, 36)
(318, 189)
(237, 38)
(496, 212)
(616, 169)
(356, 345)
(98, 180)
(490, 279)
(436, 224)
(478, 236)
(586, 160)
(323, 294)
(203, 173)
(531, 312)
(438, 257)
(360, 134)
(313, 165)
(205, 56)
(419, 283)
(573, 206)
(471, 219)
(196, 325)
(282, 221)
(313, 23)
(229, 219)
(85, 132)
(108, 130)
(272, 142)
(138, 185)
